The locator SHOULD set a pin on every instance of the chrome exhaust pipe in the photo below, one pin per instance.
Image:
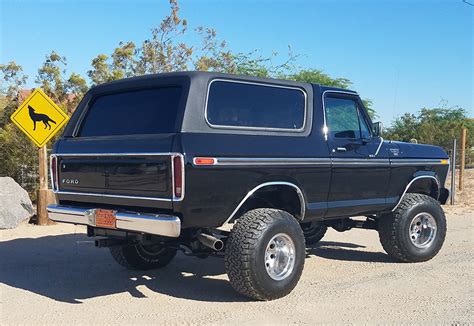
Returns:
(211, 241)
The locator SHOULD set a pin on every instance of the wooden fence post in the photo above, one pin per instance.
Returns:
(453, 173)
(42, 200)
(463, 158)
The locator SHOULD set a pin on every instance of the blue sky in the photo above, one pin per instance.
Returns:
(404, 55)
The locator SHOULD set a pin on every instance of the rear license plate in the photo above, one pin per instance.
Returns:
(105, 218)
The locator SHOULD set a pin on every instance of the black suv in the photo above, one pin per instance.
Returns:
(173, 161)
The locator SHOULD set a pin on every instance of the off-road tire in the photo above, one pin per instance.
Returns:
(313, 233)
(138, 257)
(245, 253)
(394, 229)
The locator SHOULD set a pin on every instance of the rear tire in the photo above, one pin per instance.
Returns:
(313, 232)
(265, 254)
(140, 257)
(415, 231)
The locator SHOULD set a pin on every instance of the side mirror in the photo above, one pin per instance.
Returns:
(377, 128)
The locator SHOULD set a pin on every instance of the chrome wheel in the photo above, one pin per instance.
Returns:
(280, 257)
(422, 230)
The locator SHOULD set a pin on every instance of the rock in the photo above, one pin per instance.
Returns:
(15, 204)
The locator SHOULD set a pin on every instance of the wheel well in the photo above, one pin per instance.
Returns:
(279, 196)
(426, 186)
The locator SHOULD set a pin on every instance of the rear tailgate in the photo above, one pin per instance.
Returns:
(138, 175)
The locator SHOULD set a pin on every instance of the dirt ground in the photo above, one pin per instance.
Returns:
(55, 275)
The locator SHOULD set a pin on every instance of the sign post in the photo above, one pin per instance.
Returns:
(463, 158)
(40, 119)
(453, 173)
(42, 202)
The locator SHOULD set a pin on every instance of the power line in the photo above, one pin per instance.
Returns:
(466, 2)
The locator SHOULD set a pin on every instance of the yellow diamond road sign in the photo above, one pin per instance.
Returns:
(39, 118)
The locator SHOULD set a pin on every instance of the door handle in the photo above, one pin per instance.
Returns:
(341, 149)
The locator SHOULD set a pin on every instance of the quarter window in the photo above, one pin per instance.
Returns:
(255, 106)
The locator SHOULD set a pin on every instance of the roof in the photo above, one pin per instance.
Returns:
(213, 75)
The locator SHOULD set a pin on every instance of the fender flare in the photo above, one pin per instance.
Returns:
(272, 183)
(411, 182)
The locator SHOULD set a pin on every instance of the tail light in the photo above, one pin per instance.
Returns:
(54, 172)
(178, 178)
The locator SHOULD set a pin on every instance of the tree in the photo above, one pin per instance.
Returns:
(317, 76)
(13, 80)
(13, 77)
(64, 91)
(438, 126)
(18, 159)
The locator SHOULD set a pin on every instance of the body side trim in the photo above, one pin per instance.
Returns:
(378, 148)
(59, 192)
(272, 183)
(269, 161)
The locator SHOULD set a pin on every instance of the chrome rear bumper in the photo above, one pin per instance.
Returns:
(165, 225)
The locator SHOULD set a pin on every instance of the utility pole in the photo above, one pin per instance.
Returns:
(42, 201)
(463, 158)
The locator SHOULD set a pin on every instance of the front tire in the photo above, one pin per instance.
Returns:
(140, 257)
(265, 254)
(415, 231)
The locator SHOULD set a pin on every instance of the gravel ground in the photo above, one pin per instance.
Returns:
(54, 275)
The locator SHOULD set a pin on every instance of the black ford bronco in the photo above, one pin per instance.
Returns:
(169, 162)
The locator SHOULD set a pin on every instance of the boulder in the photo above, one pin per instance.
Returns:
(15, 204)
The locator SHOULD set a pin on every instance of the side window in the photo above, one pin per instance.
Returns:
(342, 118)
(255, 106)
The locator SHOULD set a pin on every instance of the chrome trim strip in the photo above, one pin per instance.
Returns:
(410, 183)
(110, 195)
(256, 128)
(117, 154)
(360, 161)
(271, 161)
(325, 126)
(273, 183)
(378, 148)
(159, 224)
(405, 161)
(171, 154)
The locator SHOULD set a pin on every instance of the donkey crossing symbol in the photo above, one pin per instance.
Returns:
(39, 118)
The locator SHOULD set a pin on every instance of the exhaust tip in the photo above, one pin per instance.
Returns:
(218, 245)
(211, 241)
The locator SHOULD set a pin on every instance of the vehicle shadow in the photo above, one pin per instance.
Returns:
(345, 251)
(69, 268)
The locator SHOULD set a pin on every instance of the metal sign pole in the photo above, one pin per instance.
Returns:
(453, 172)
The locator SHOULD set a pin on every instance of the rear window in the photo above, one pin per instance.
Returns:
(149, 111)
(255, 106)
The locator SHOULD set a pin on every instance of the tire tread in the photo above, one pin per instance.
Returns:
(389, 226)
(240, 245)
